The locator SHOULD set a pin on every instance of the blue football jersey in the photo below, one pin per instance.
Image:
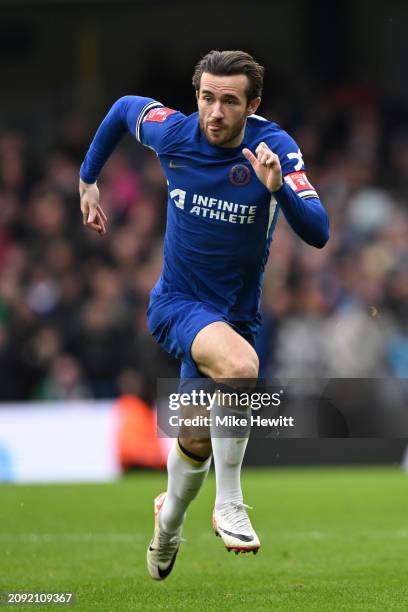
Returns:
(220, 217)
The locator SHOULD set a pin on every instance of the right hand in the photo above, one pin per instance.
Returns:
(266, 166)
(92, 213)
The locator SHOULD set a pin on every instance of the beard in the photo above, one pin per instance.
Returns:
(224, 137)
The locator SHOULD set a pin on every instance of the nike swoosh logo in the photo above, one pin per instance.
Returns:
(172, 164)
(239, 536)
(163, 573)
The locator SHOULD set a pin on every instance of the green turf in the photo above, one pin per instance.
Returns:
(332, 539)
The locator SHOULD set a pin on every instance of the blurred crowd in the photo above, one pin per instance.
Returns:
(73, 303)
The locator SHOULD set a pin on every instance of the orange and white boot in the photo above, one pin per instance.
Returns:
(163, 549)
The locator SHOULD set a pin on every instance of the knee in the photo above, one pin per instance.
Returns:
(241, 367)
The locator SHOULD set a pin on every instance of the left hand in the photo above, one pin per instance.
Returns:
(266, 166)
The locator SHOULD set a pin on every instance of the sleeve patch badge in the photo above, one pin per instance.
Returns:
(300, 185)
(159, 114)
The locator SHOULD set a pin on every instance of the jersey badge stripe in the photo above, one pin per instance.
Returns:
(299, 183)
(158, 115)
(142, 115)
(272, 209)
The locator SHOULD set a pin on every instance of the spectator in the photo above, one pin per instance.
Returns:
(73, 305)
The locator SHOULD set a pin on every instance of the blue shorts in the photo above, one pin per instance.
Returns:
(175, 319)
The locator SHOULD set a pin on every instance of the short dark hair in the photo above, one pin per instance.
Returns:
(225, 63)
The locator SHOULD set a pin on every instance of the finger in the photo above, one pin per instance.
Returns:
(263, 147)
(263, 158)
(102, 214)
(103, 227)
(271, 161)
(98, 224)
(249, 156)
(96, 227)
(101, 223)
(92, 213)
(269, 158)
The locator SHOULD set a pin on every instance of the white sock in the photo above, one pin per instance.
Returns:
(228, 455)
(185, 478)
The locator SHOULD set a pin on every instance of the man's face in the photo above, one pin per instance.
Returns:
(223, 108)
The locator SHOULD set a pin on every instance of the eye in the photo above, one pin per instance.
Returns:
(231, 102)
(207, 98)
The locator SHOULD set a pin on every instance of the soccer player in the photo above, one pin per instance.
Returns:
(229, 173)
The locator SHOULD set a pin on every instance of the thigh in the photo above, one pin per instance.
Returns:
(220, 352)
(174, 321)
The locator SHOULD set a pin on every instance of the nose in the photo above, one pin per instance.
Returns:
(217, 111)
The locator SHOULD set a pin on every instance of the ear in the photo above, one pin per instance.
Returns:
(253, 106)
(197, 94)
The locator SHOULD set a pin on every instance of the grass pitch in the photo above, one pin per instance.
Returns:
(332, 539)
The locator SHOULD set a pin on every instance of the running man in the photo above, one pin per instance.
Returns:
(229, 173)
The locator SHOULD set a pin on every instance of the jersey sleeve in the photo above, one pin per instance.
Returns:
(293, 167)
(125, 115)
(153, 125)
(298, 198)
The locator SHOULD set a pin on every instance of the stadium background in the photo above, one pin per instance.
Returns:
(72, 305)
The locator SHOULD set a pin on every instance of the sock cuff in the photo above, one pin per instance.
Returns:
(191, 458)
